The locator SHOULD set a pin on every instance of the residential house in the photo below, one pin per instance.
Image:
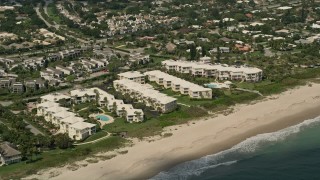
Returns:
(17, 87)
(34, 84)
(65, 70)
(9, 154)
(205, 60)
(56, 73)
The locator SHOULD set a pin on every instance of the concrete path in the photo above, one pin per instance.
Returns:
(94, 141)
(34, 130)
(248, 90)
(37, 9)
(183, 104)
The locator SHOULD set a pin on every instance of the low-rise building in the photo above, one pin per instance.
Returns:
(145, 93)
(179, 85)
(220, 72)
(82, 95)
(81, 130)
(7, 82)
(34, 84)
(124, 110)
(17, 87)
(65, 70)
(56, 73)
(54, 97)
(9, 154)
(62, 117)
(139, 58)
(133, 76)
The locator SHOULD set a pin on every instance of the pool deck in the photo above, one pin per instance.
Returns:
(111, 119)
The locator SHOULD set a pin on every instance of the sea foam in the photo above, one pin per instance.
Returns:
(243, 150)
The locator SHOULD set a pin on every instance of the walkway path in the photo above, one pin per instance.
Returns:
(183, 104)
(94, 141)
(33, 129)
(248, 90)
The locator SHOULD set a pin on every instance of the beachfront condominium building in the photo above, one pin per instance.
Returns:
(54, 97)
(145, 93)
(179, 85)
(62, 117)
(133, 76)
(82, 95)
(81, 130)
(220, 72)
(105, 99)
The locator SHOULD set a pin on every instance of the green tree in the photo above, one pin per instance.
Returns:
(63, 141)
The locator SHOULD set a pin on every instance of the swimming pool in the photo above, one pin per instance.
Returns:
(102, 117)
(211, 85)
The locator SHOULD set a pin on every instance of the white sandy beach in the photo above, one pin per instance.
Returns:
(207, 136)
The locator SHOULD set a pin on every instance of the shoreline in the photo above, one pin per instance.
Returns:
(269, 128)
(203, 137)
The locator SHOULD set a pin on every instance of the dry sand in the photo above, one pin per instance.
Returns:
(210, 135)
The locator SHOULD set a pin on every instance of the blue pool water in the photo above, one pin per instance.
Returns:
(211, 85)
(102, 117)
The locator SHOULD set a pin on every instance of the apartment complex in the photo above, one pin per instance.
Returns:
(68, 121)
(105, 99)
(146, 94)
(220, 72)
(133, 76)
(179, 85)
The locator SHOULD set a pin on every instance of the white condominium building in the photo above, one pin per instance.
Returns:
(108, 100)
(54, 97)
(133, 76)
(179, 85)
(82, 95)
(146, 94)
(220, 72)
(81, 130)
(63, 118)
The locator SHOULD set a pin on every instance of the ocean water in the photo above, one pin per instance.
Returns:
(292, 153)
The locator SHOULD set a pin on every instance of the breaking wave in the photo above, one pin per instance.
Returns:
(243, 150)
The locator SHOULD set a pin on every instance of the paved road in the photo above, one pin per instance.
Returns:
(93, 75)
(37, 9)
(34, 130)
(55, 25)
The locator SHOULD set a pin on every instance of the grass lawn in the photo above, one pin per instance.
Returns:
(51, 13)
(223, 98)
(154, 126)
(95, 136)
(59, 157)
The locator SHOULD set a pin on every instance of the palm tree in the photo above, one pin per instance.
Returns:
(97, 96)
(138, 115)
(114, 107)
(87, 97)
(124, 112)
(105, 99)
